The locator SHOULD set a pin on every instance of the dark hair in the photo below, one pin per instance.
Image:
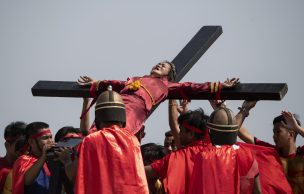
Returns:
(172, 73)
(33, 128)
(280, 118)
(196, 118)
(20, 145)
(64, 131)
(14, 130)
(151, 152)
(168, 134)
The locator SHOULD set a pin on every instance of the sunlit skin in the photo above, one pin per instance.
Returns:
(283, 139)
(169, 144)
(185, 137)
(41, 143)
(161, 69)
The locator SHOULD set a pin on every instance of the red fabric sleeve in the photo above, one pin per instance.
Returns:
(188, 89)
(22, 164)
(272, 177)
(262, 143)
(161, 166)
(4, 170)
(117, 85)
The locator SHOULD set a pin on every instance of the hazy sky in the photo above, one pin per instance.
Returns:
(262, 42)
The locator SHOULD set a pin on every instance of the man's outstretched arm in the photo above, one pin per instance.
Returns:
(243, 133)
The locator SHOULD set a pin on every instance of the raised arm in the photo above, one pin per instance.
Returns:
(32, 173)
(85, 120)
(174, 111)
(243, 133)
(292, 123)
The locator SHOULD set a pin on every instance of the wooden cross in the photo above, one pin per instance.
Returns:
(184, 61)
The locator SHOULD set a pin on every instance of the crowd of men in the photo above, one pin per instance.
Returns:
(200, 152)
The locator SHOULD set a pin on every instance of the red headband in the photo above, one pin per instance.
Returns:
(71, 135)
(44, 132)
(187, 126)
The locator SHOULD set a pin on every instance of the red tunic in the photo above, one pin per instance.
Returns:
(21, 165)
(110, 161)
(176, 168)
(4, 170)
(292, 166)
(224, 169)
(152, 91)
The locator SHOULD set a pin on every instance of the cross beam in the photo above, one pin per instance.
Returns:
(184, 61)
(243, 91)
(186, 58)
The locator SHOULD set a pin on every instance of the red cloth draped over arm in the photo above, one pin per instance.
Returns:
(272, 177)
(21, 165)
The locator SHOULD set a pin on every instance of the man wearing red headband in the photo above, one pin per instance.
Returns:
(283, 156)
(12, 133)
(30, 172)
(176, 167)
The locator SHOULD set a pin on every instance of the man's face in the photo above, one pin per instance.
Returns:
(169, 144)
(281, 136)
(10, 147)
(185, 136)
(162, 69)
(38, 143)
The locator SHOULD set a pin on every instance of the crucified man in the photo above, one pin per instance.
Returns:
(141, 94)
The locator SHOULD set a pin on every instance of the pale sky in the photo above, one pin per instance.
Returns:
(262, 42)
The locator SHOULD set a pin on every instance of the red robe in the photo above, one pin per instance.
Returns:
(273, 179)
(110, 161)
(176, 168)
(139, 102)
(21, 165)
(225, 169)
(5, 168)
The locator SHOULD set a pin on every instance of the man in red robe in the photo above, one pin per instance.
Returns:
(285, 155)
(176, 167)
(141, 94)
(224, 167)
(110, 160)
(30, 172)
(12, 133)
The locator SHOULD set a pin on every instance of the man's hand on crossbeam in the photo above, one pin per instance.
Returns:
(85, 81)
(231, 83)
